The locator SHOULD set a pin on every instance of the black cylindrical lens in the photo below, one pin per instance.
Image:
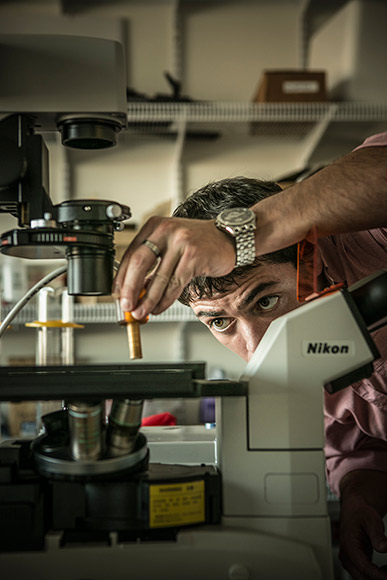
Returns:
(90, 224)
(90, 271)
(96, 133)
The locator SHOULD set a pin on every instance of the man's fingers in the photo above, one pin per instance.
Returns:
(133, 257)
(358, 564)
(163, 289)
(179, 278)
(129, 285)
(369, 572)
(117, 282)
(380, 544)
(356, 551)
(376, 535)
(172, 292)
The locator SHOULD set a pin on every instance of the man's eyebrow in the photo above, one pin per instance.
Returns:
(210, 313)
(255, 291)
(245, 302)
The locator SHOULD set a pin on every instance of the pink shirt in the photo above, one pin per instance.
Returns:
(356, 417)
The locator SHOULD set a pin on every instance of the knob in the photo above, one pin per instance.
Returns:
(114, 211)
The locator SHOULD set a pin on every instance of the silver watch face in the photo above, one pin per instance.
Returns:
(236, 216)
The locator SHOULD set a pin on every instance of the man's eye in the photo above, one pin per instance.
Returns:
(220, 324)
(268, 302)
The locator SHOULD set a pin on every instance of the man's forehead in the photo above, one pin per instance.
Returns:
(230, 290)
(241, 293)
(231, 286)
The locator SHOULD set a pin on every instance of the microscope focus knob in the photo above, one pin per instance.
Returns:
(114, 211)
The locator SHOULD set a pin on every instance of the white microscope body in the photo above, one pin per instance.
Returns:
(270, 444)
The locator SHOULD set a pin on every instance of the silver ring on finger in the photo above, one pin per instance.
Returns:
(152, 247)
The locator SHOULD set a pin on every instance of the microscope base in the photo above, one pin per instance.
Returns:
(205, 552)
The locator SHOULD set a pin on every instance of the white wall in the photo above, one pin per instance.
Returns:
(227, 46)
(353, 45)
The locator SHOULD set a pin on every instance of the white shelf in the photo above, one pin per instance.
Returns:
(256, 122)
(224, 112)
(102, 313)
(285, 121)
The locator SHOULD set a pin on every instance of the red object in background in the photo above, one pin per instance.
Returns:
(159, 419)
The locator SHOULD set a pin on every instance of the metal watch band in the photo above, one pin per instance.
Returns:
(245, 245)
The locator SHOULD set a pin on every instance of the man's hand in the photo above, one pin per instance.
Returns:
(361, 525)
(188, 248)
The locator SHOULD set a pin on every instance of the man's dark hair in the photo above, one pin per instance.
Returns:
(205, 204)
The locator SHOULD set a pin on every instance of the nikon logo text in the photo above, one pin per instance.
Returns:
(328, 347)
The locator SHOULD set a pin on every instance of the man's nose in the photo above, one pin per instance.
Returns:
(251, 336)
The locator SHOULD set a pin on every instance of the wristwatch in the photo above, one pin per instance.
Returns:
(240, 223)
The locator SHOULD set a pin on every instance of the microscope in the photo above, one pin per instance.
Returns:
(88, 476)
(90, 499)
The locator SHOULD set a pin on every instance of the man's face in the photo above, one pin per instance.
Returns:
(239, 317)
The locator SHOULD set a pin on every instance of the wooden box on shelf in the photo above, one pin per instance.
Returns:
(290, 86)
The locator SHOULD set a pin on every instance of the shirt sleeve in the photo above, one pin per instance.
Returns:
(370, 457)
(356, 429)
(355, 451)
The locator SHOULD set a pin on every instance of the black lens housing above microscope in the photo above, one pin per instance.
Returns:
(93, 133)
(85, 236)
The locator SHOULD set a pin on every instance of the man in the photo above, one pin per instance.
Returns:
(346, 203)
(238, 308)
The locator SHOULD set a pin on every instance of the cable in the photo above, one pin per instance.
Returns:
(31, 293)
(27, 297)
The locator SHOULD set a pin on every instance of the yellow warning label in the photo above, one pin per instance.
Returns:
(176, 504)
